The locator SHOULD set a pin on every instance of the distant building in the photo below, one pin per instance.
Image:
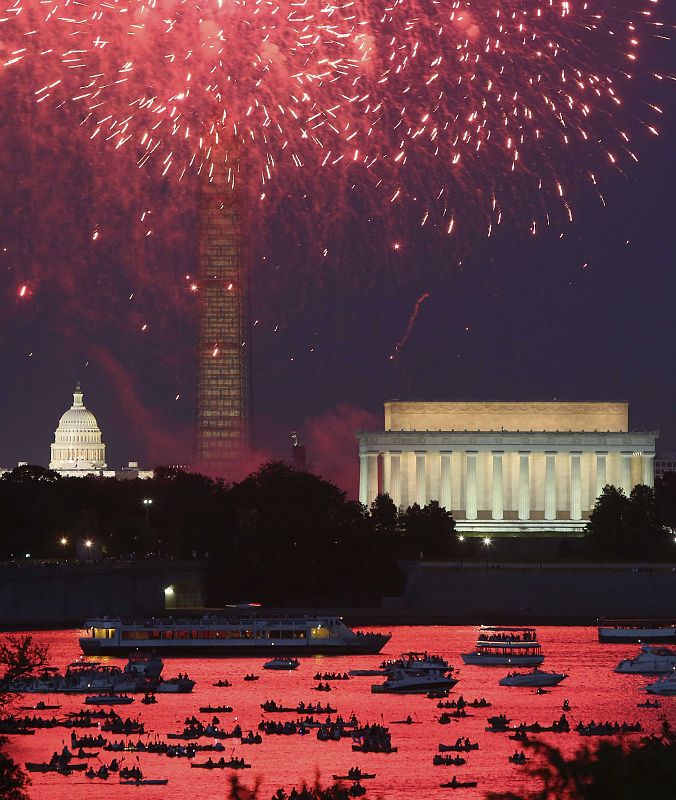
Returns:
(664, 462)
(78, 448)
(505, 467)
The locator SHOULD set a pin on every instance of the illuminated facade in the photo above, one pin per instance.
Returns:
(78, 448)
(222, 425)
(505, 467)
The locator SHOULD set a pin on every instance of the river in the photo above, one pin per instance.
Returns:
(594, 692)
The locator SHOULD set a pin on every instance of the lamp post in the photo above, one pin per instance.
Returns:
(147, 502)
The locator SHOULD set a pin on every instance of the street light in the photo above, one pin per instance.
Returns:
(88, 543)
(147, 502)
(63, 541)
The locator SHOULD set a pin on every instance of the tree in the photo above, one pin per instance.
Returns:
(19, 656)
(384, 515)
(637, 772)
(626, 527)
(429, 530)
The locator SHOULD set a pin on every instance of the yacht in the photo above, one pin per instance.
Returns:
(412, 681)
(212, 635)
(637, 631)
(283, 662)
(651, 660)
(417, 661)
(665, 685)
(535, 678)
(500, 646)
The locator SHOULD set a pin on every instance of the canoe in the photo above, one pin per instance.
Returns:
(146, 782)
(46, 767)
(363, 776)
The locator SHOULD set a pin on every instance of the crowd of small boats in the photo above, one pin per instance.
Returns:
(201, 741)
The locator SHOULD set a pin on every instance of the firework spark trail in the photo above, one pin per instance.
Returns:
(409, 328)
(495, 107)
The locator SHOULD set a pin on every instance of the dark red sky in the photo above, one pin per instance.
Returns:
(589, 316)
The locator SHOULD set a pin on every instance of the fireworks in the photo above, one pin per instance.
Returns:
(457, 107)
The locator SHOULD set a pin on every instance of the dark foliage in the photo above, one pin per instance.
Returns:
(627, 527)
(19, 657)
(610, 772)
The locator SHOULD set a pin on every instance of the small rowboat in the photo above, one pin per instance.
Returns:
(358, 776)
(146, 782)
(458, 785)
(221, 765)
(46, 767)
(215, 709)
(109, 699)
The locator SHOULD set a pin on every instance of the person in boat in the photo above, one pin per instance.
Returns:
(565, 706)
(114, 765)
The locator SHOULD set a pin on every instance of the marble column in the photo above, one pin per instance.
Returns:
(575, 485)
(372, 469)
(363, 479)
(395, 477)
(601, 471)
(470, 501)
(420, 477)
(445, 493)
(387, 478)
(550, 484)
(648, 469)
(625, 471)
(524, 484)
(497, 506)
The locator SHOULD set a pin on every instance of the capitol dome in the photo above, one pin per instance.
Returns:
(77, 447)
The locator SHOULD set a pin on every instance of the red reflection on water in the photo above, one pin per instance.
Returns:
(594, 692)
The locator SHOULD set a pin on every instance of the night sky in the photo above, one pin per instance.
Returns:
(589, 316)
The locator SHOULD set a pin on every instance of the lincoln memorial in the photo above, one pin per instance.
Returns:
(505, 466)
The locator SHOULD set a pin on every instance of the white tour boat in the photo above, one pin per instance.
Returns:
(650, 661)
(665, 685)
(411, 681)
(637, 632)
(212, 635)
(535, 678)
(500, 647)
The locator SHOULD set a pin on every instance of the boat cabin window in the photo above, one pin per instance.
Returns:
(103, 633)
(134, 635)
(320, 632)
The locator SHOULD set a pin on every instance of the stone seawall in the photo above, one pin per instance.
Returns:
(523, 593)
(64, 593)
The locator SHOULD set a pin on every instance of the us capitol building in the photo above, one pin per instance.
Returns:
(78, 449)
(505, 466)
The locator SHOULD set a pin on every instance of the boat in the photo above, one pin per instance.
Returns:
(412, 681)
(462, 747)
(448, 761)
(454, 784)
(145, 782)
(40, 706)
(175, 686)
(500, 646)
(666, 685)
(234, 763)
(366, 673)
(355, 774)
(535, 678)
(48, 767)
(215, 709)
(651, 660)
(637, 631)
(144, 665)
(418, 661)
(234, 635)
(649, 704)
(283, 662)
(108, 699)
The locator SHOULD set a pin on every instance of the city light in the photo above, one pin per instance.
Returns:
(487, 540)
(461, 538)
(169, 591)
(63, 541)
(88, 543)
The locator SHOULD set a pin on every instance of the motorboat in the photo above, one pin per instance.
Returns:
(637, 631)
(144, 665)
(651, 660)
(417, 661)
(282, 663)
(665, 685)
(535, 678)
(412, 681)
(181, 685)
(233, 635)
(109, 698)
(500, 646)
